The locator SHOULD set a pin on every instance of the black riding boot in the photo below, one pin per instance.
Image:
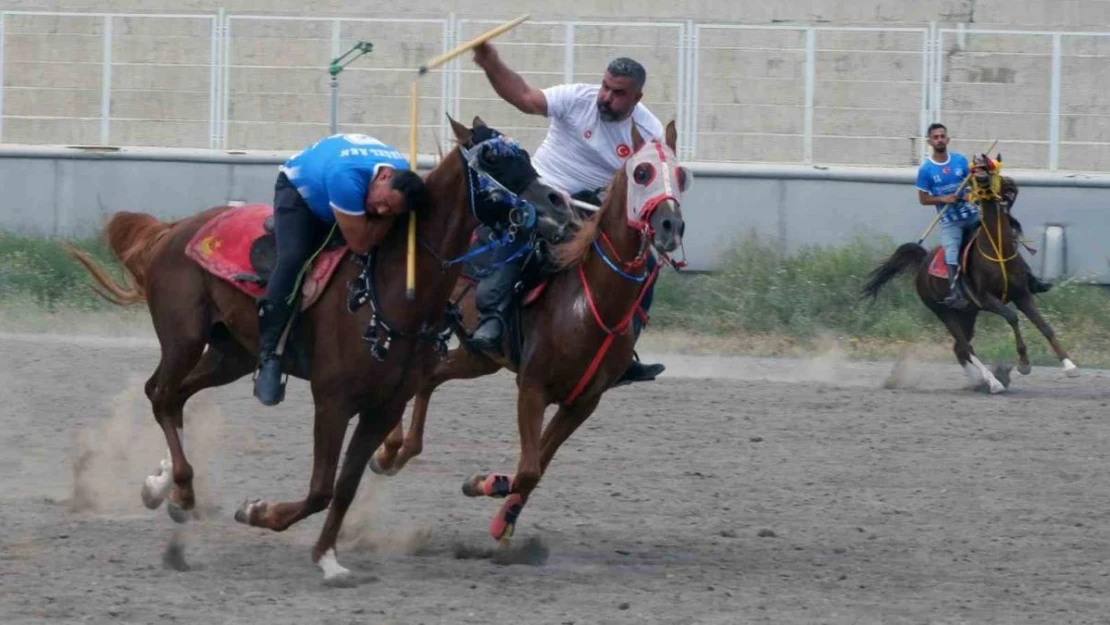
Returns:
(493, 300)
(272, 317)
(955, 297)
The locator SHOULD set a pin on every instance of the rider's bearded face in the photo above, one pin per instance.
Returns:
(939, 140)
(617, 97)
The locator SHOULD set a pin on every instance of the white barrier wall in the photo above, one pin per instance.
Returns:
(65, 192)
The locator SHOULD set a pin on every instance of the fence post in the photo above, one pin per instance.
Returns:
(106, 85)
(333, 120)
(226, 93)
(214, 82)
(2, 27)
(568, 52)
(810, 80)
(693, 65)
(1054, 103)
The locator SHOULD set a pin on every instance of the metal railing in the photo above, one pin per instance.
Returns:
(738, 93)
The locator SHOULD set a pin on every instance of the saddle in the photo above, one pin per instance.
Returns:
(533, 278)
(263, 253)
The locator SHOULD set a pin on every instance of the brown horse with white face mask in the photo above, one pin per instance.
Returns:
(575, 338)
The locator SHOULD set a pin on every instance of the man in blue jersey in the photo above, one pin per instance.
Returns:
(938, 178)
(352, 181)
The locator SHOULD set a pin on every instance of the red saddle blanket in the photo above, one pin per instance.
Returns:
(224, 246)
(938, 269)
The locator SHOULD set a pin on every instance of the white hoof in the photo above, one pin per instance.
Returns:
(335, 574)
(1070, 369)
(996, 386)
(157, 485)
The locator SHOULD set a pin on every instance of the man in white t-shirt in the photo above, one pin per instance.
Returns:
(588, 139)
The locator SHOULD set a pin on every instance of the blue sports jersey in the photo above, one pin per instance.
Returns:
(940, 179)
(335, 172)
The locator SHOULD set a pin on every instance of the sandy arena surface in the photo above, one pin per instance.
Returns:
(731, 490)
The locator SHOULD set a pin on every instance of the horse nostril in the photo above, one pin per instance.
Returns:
(667, 225)
(682, 229)
(555, 199)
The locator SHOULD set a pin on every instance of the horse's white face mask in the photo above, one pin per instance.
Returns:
(654, 176)
(655, 187)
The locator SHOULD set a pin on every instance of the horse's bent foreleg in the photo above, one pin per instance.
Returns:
(329, 428)
(995, 305)
(459, 364)
(1027, 306)
(974, 368)
(531, 402)
(368, 435)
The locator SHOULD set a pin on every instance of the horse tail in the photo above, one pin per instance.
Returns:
(133, 239)
(908, 257)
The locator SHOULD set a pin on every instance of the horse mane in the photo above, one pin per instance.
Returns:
(577, 250)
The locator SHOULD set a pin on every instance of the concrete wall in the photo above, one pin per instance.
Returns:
(66, 192)
(750, 90)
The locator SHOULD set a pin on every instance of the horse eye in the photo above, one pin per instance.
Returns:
(643, 173)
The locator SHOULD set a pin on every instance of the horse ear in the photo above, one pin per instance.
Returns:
(637, 139)
(478, 122)
(462, 133)
(672, 136)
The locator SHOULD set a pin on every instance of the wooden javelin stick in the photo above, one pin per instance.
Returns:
(473, 43)
(410, 277)
(957, 191)
(410, 273)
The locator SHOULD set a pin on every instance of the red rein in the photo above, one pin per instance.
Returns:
(625, 322)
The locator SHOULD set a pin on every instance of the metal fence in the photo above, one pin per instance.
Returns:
(739, 93)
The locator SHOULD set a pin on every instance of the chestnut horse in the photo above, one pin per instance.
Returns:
(575, 340)
(994, 275)
(192, 309)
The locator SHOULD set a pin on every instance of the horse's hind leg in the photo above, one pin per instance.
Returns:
(460, 364)
(1027, 306)
(222, 363)
(995, 305)
(180, 352)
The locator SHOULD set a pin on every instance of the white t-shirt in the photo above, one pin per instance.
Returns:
(581, 151)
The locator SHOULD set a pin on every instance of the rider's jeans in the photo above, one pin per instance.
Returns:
(951, 234)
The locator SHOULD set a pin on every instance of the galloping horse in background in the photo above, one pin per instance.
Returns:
(192, 308)
(994, 275)
(571, 343)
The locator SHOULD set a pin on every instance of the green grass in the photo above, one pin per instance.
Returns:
(759, 296)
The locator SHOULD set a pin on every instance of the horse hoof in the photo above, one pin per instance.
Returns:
(1070, 369)
(376, 467)
(503, 524)
(245, 511)
(1025, 369)
(177, 513)
(472, 486)
(996, 387)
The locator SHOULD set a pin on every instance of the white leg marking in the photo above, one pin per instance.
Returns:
(157, 485)
(1070, 369)
(972, 373)
(992, 382)
(333, 571)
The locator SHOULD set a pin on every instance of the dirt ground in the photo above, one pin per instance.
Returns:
(731, 490)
